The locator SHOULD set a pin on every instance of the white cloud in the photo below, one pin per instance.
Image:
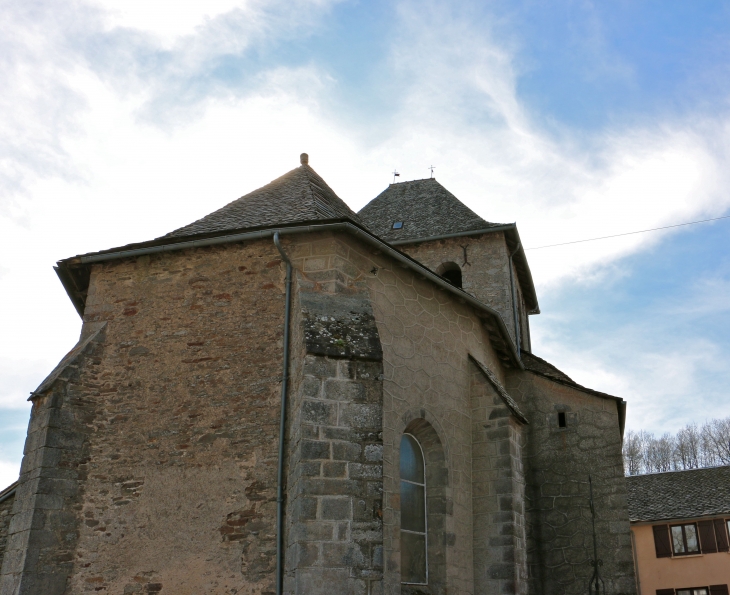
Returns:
(169, 20)
(86, 165)
(8, 473)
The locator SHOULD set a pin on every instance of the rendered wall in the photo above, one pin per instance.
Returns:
(484, 269)
(557, 463)
(701, 570)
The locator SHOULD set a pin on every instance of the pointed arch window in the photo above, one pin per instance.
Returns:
(413, 533)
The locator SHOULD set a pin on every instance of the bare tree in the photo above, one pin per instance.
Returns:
(688, 448)
(716, 441)
(633, 451)
(660, 454)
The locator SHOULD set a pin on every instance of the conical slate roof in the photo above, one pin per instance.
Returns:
(297, 196)
(424, 207)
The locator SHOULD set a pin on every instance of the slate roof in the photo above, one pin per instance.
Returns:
(297, 196)
(8, 491)
(426, 209)
(506, 397)
(67, 360)
(679, 494)
(540, 366)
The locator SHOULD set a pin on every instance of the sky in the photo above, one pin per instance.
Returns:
(121, 120)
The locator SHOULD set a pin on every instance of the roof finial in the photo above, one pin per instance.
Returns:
(432, 168)
(395, 175)
(304, 159)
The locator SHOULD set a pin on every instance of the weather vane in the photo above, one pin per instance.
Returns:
(432, 168)
(395, 175)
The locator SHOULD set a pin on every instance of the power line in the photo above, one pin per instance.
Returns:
(629, 233)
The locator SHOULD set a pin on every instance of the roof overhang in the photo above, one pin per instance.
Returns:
(514, 245)
(75, 272)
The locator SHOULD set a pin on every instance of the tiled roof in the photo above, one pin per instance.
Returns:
(424, 207)
(679, 494)
(297, 196)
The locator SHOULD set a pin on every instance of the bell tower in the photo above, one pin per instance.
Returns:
(487, 260)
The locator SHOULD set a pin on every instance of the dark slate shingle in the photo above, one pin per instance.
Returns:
(505, 396)
(426, 209)
(679, 494)
(297, 196)
(539, 365)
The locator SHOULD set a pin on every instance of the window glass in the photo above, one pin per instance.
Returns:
(414, 542)
(413, 558)
(690, 533)
(684, 591)
(678, 541)
(684, 539)
(413, 506)
(411, 459)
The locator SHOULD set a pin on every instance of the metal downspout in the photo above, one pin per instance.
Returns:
(282, 427)
(515, 312)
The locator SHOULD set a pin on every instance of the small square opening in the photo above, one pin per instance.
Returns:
(561, 419)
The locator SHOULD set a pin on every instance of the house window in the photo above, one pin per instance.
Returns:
(397, 224)
(561, 419)
(413, 539)
(684, 539)
(696, 591)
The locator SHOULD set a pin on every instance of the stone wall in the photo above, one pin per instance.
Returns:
(500, 555)
(180, 445)
(6, 507)
(426, 338)
(335, 448)
(43, 532)
(558, 462)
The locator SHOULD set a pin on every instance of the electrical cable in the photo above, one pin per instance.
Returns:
(629, 233)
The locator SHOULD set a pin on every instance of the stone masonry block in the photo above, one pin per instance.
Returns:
(362, 416)
(342, 390)
(336, 509)
(317, 412)
(346, 451)
(312, 449)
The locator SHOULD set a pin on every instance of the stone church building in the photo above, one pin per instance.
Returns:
(290, 397)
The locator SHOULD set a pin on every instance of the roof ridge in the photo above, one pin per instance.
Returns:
(677, 471)
(298, 196)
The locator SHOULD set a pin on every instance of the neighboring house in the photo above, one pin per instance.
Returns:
(680, 522)
(424, 448)
(7, 497)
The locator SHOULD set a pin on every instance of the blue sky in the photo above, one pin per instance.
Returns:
(121, 120)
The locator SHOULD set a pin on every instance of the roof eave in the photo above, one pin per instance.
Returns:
(78, 267)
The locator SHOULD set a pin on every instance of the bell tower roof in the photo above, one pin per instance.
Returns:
(423, 208)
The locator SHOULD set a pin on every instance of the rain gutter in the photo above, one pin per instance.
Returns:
(282, 427)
